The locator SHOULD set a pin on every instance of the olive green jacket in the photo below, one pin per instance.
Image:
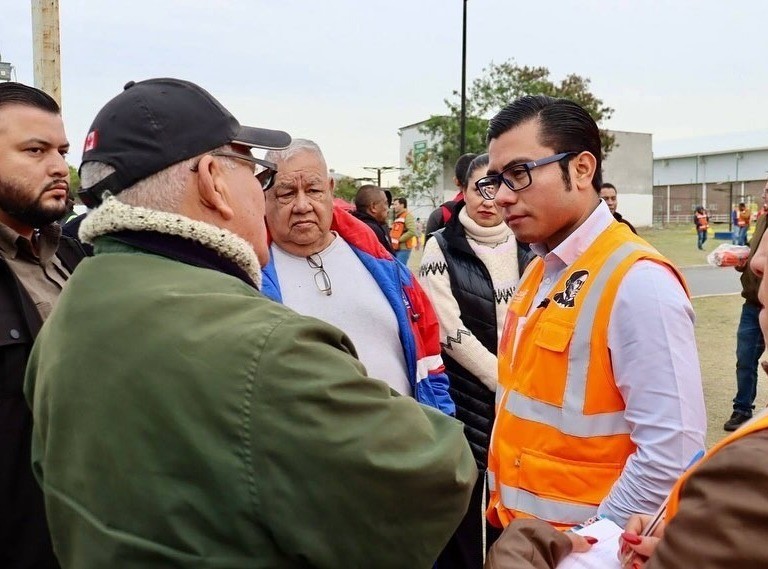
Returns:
(182, 419)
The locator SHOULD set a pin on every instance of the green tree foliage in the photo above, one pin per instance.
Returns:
(499, 85)
(346, 189)
(74, 182)
(421, 175)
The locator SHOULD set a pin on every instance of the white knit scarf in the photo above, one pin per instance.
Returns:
(486, 235)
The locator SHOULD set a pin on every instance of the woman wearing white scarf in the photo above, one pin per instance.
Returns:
(470, 271)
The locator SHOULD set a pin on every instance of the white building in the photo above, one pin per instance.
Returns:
(715, 172)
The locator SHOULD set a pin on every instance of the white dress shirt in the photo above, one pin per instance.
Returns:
(656, 366)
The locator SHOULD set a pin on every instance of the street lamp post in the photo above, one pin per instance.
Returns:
(463, 117)
(379, 170)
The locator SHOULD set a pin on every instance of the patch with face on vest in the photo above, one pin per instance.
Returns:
(573, 285)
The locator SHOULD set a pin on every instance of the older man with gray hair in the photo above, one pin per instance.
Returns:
(327, 264)
(184, 419)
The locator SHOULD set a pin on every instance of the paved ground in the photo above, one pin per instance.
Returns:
(703, 280)
(707, 280)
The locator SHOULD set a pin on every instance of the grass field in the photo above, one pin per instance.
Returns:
(678, 243)
(716, 321)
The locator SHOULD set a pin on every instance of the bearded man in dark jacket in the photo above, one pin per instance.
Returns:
(35, 262)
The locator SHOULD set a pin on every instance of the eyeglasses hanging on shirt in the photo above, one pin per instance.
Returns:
(322, 280)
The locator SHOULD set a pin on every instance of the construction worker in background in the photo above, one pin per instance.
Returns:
(403, 232)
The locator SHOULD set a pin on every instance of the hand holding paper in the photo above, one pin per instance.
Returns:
(603, 554)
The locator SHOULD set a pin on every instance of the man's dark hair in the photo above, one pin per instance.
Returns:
(742, 204)
(20, 94)
(608, 185)
(366, 196)
(461, 169)
(403, 202)
(564, 126)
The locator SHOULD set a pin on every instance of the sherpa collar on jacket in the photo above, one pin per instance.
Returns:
(126, 222)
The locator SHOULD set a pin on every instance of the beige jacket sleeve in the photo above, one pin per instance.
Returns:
(528, 544)
(723, 512)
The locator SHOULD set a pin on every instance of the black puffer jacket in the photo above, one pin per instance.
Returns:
(472, 288)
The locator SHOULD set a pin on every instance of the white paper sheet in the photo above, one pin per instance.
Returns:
(602, 555)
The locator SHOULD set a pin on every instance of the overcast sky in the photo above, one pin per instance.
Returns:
(349, 73)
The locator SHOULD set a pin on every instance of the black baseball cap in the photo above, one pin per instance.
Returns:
(156, 123)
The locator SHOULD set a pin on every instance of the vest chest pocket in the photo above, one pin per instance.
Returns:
(546, 359)
(553, 336)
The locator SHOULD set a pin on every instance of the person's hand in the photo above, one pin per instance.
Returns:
(635, 549)
(581, 543)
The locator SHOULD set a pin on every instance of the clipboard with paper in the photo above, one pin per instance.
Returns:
(602, 555)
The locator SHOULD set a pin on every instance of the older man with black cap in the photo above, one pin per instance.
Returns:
(184, 419)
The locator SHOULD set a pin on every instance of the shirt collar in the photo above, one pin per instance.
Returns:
(8, 239)
(48, 242)
(577, 242)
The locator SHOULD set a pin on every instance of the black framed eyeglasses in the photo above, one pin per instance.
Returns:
(516, 177)
(264, 171)
(322, 280)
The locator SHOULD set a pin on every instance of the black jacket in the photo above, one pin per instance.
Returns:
(24, 539)
(382, 234)
(618, 217)
(472, 288)
(71, 229)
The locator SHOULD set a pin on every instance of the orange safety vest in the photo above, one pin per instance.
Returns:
(703, 222)
(398, 228)
(560, 439)
(744, 218)
(673, 506)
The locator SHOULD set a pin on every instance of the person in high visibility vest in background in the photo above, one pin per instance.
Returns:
(743, 219)
(701, 219)
(600, 404)
(403, 232)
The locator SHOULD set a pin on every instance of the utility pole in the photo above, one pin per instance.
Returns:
(46, 47)
(379, 170)
(463, 118)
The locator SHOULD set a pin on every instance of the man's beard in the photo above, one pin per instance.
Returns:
(17, 203)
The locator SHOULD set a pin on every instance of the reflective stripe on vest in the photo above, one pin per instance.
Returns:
(544, 508)
(570, 419)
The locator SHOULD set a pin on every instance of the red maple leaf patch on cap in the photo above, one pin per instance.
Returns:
(91, 140)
